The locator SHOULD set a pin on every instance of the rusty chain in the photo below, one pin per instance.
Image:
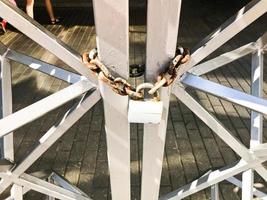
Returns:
(123, 87)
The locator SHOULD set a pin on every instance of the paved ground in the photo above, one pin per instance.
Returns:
(191, 147)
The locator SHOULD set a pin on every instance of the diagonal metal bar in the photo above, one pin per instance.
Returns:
(39, 34)
(38, 109)
(48, 188)
(61, 181)
(262, 41)
(212, 122)
(50, 137)
(207, 181)
(229, 94)
(256, 192)
(162, 31)
(222, 60)
(44, 67)
(229, 29)
(260, 150)
(218, 128)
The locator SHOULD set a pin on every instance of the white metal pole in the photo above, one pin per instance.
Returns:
(247, 184)
(256, 90)
(215, 192)
(256, 120)
(48, 197)
(162, 31)
(112, 29)
(16, 192)
(6, 101)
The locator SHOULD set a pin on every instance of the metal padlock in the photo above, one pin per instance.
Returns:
(146, 111)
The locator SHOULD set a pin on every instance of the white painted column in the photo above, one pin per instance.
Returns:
(16, 192)
(256, 90)
(6, 105)
(112, 29)
(48, 197)
(256, 120)
(162, 31)
(215, 192)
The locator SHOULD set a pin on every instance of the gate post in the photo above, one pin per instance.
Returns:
(162, 32)
(112, 29)
(7, 148)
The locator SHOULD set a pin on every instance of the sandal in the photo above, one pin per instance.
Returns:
(55, 21)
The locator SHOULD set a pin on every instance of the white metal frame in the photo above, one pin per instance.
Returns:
(251, 159)
(83, 86)
(113, 46)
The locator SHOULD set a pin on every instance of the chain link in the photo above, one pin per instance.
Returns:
(123, 87)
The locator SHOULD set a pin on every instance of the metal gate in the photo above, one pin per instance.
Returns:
(112, 27)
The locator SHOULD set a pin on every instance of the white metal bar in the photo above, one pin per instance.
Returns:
(260, 150)
(162, 29)
(207, 180)
(229, 94)
(212, 122)
(262, 41)
(53, 134)
(25, 190)
(38, 109)
(247, 184)
(48, 188)
(113, 47)
(223, 59)
(217, 127)
(256, 120)
(256, 90)
(17, 192)
(256, 192)
(48, 197)
(44, 67)
(229, 29)
(215, 192)
(6, 105)
(261, 170)
(61, 181)
(39, 34)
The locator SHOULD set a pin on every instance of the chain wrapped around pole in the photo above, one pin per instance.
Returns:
(122, 86)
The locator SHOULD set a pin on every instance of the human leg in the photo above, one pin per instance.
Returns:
(50, 11)
(29, 8)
